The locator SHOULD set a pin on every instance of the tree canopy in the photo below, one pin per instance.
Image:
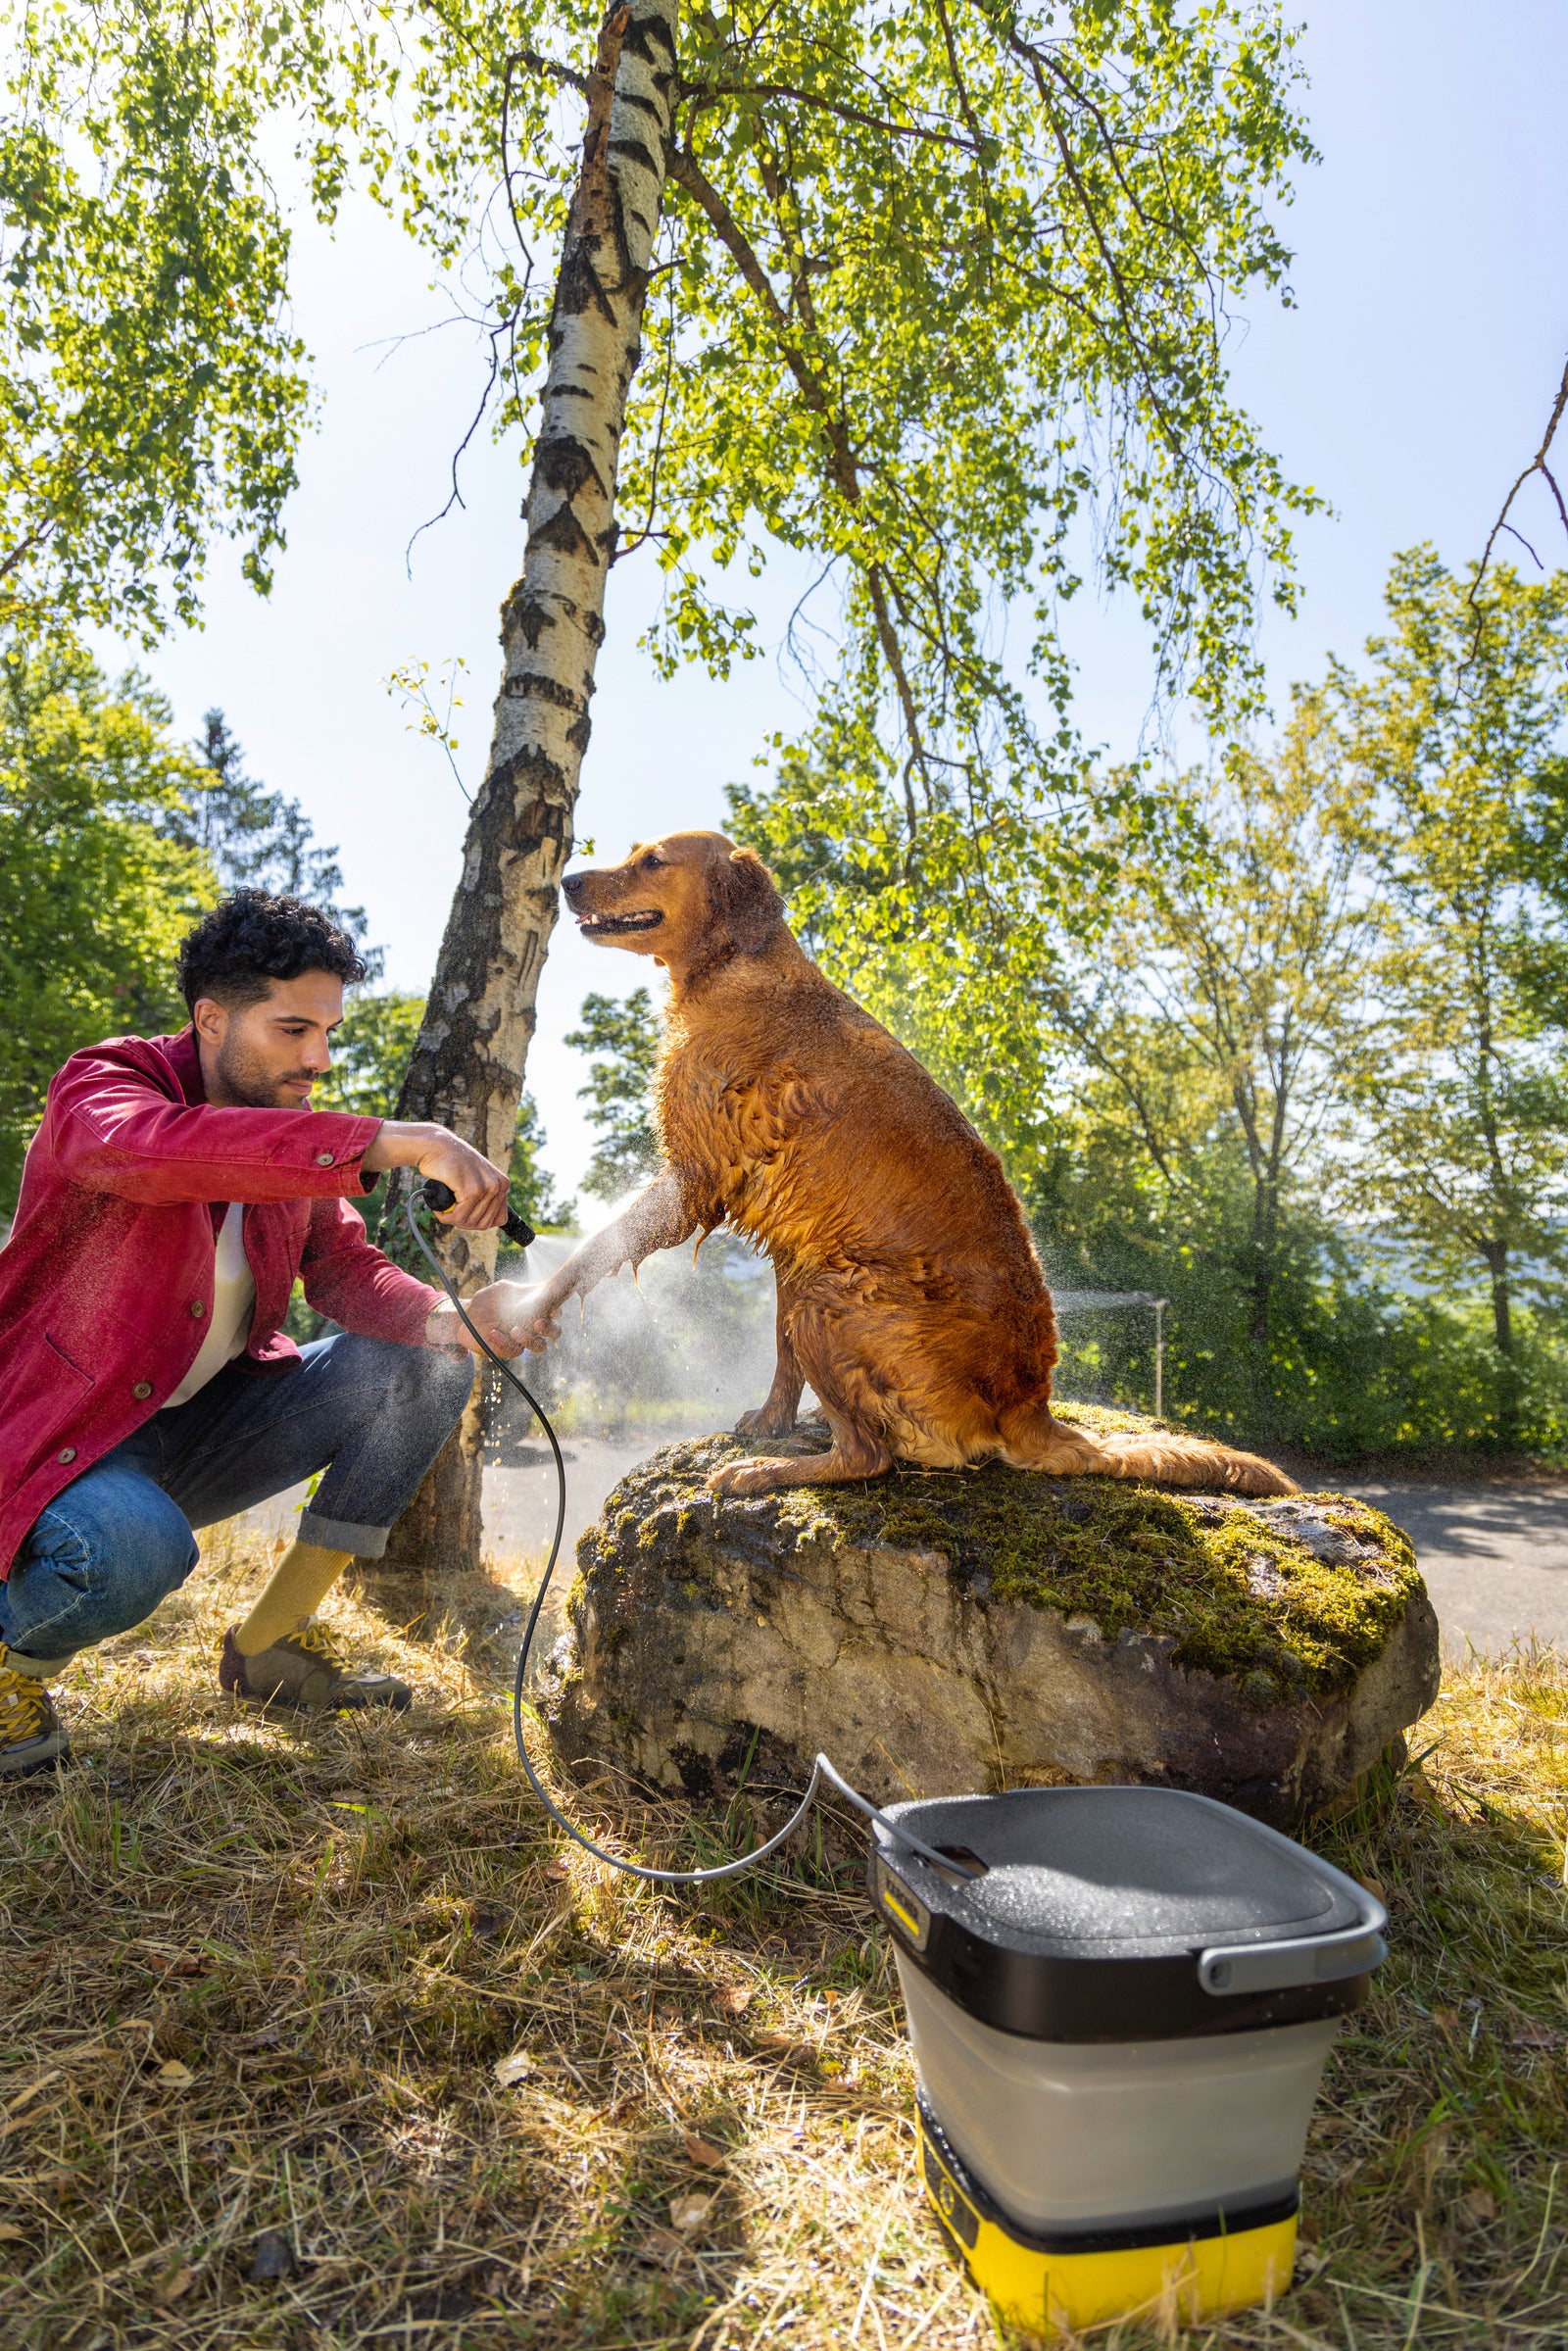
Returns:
(1220, 1019)
(941, 302)
(151, 392)
(94, 893)
(1452, 742)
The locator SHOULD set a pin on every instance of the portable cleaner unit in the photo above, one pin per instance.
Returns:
(1120, 2001)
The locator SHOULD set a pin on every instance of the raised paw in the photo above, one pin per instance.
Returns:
(744, 1477)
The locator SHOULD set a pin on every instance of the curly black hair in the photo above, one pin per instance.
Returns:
(251, 939)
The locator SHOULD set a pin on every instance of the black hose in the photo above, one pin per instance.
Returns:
(821, 1769)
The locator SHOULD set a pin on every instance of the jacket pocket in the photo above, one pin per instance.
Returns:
(69, 1361)
(47, 1402)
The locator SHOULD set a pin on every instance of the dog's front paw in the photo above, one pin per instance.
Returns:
(744, 1477)
(763, 1422)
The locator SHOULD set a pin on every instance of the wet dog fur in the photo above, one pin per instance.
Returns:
(910, 1294)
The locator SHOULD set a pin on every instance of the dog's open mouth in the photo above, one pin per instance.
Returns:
(610, 927)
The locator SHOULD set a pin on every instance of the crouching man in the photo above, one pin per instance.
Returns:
(172, 1193)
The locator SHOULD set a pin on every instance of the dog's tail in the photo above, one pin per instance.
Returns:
(1034, 1439)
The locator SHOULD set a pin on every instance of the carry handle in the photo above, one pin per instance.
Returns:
(1307, 1959)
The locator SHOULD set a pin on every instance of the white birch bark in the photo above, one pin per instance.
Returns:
(467, 1066)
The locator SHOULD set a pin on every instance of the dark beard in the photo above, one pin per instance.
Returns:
(250, 1086)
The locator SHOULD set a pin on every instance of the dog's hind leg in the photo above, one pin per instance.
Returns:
(1036, 1440)
(1167, 1460)
(777, 1417)
(856, 1455)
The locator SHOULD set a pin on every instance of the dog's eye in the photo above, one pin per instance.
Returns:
(650, 862)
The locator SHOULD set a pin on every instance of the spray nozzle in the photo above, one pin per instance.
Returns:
(437, 1195)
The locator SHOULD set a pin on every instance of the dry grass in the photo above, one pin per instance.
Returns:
(259, 1980)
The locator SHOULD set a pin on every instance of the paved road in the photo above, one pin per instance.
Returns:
(1495, 1553)
(520, 1501)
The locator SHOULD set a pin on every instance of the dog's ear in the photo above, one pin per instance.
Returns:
(745, 900)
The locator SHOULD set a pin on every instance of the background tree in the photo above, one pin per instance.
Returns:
(1454, 745)
(260, 840)
(1224, 1016)
(1302, 1067)
(94, 893)
(624, 1036)
(466, 1070)
(151, 391)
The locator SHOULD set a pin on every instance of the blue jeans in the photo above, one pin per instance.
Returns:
(371, 1413)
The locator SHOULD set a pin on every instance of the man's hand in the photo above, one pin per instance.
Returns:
(481, 1188)
(508, 1315)
(534, 1315)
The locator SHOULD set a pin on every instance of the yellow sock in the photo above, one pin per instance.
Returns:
(296, 1588)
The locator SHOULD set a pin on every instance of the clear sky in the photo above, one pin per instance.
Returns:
(1410, 384)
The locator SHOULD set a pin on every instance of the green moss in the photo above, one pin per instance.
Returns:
(1236, 1590)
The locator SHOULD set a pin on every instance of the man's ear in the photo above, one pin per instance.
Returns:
(209, 1020)
(745, 900)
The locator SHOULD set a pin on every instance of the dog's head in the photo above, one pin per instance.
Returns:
(692, 899)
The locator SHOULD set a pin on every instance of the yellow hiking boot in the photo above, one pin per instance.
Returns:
(32, 1738)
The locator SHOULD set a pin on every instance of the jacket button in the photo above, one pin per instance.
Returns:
(142, 1390)
(197, 1308)
(66, 1452)
(324, 1159)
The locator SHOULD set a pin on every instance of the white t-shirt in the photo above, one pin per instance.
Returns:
(228, 1326)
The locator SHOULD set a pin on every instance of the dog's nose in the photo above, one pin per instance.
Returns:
(573, 884)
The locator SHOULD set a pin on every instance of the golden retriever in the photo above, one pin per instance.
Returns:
(910, 1294)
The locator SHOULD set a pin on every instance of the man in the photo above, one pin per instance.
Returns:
(174, 1191)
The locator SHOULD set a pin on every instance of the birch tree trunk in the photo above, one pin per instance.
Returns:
(467, 1065)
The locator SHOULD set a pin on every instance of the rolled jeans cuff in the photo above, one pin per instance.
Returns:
(342, 1535)
(38, 1669)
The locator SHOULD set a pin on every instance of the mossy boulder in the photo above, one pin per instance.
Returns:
(940, 1632)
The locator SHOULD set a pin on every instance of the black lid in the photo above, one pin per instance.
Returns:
(1124, 1914)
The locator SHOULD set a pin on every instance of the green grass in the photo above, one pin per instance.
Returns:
(259, 1980)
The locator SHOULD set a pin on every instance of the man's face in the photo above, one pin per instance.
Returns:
(269, 1056)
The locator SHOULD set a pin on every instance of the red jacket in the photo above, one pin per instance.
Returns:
(107, 1279)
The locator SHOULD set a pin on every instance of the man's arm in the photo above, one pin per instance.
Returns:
(116, 1129)
(360, 1287)
(347, 1278)
(480, 1186)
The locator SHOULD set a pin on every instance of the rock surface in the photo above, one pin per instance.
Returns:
(940, 1632)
